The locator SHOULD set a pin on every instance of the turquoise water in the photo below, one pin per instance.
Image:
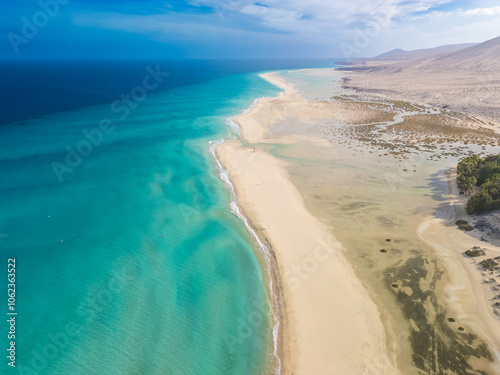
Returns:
(130, 261)
(315, 84)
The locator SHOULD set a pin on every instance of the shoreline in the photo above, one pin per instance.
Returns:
(265, 252)
(356, 341)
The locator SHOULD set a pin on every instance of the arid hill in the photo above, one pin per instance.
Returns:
(466, 80)
(399, 54)
(481, 57)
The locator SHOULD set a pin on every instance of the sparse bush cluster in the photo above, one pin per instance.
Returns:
(476, 251)
(480, 178)
(464, 225)
(489, 264)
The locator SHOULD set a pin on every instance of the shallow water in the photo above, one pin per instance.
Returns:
(129, 260)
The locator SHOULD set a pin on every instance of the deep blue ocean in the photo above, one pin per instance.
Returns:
(128, 258)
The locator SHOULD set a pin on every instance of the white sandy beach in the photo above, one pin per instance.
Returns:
(332, 324)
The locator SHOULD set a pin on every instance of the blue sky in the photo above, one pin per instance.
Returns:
(238, 28)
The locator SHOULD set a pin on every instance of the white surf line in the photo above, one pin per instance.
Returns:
(234, 126)
(224, 176)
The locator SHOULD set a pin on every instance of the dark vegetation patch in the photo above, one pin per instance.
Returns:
(479, 178)
(489, 264)
(464, 225)
(476, 251)
(438, 347)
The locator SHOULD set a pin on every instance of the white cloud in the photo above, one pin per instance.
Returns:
(368, 27)
(486, 12)
(290, 14)
(274, 16)
(483, 11)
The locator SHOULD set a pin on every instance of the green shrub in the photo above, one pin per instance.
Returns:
(485, 173)
(476, 251)
(493, 205)
(477, 203)
(464, 225)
